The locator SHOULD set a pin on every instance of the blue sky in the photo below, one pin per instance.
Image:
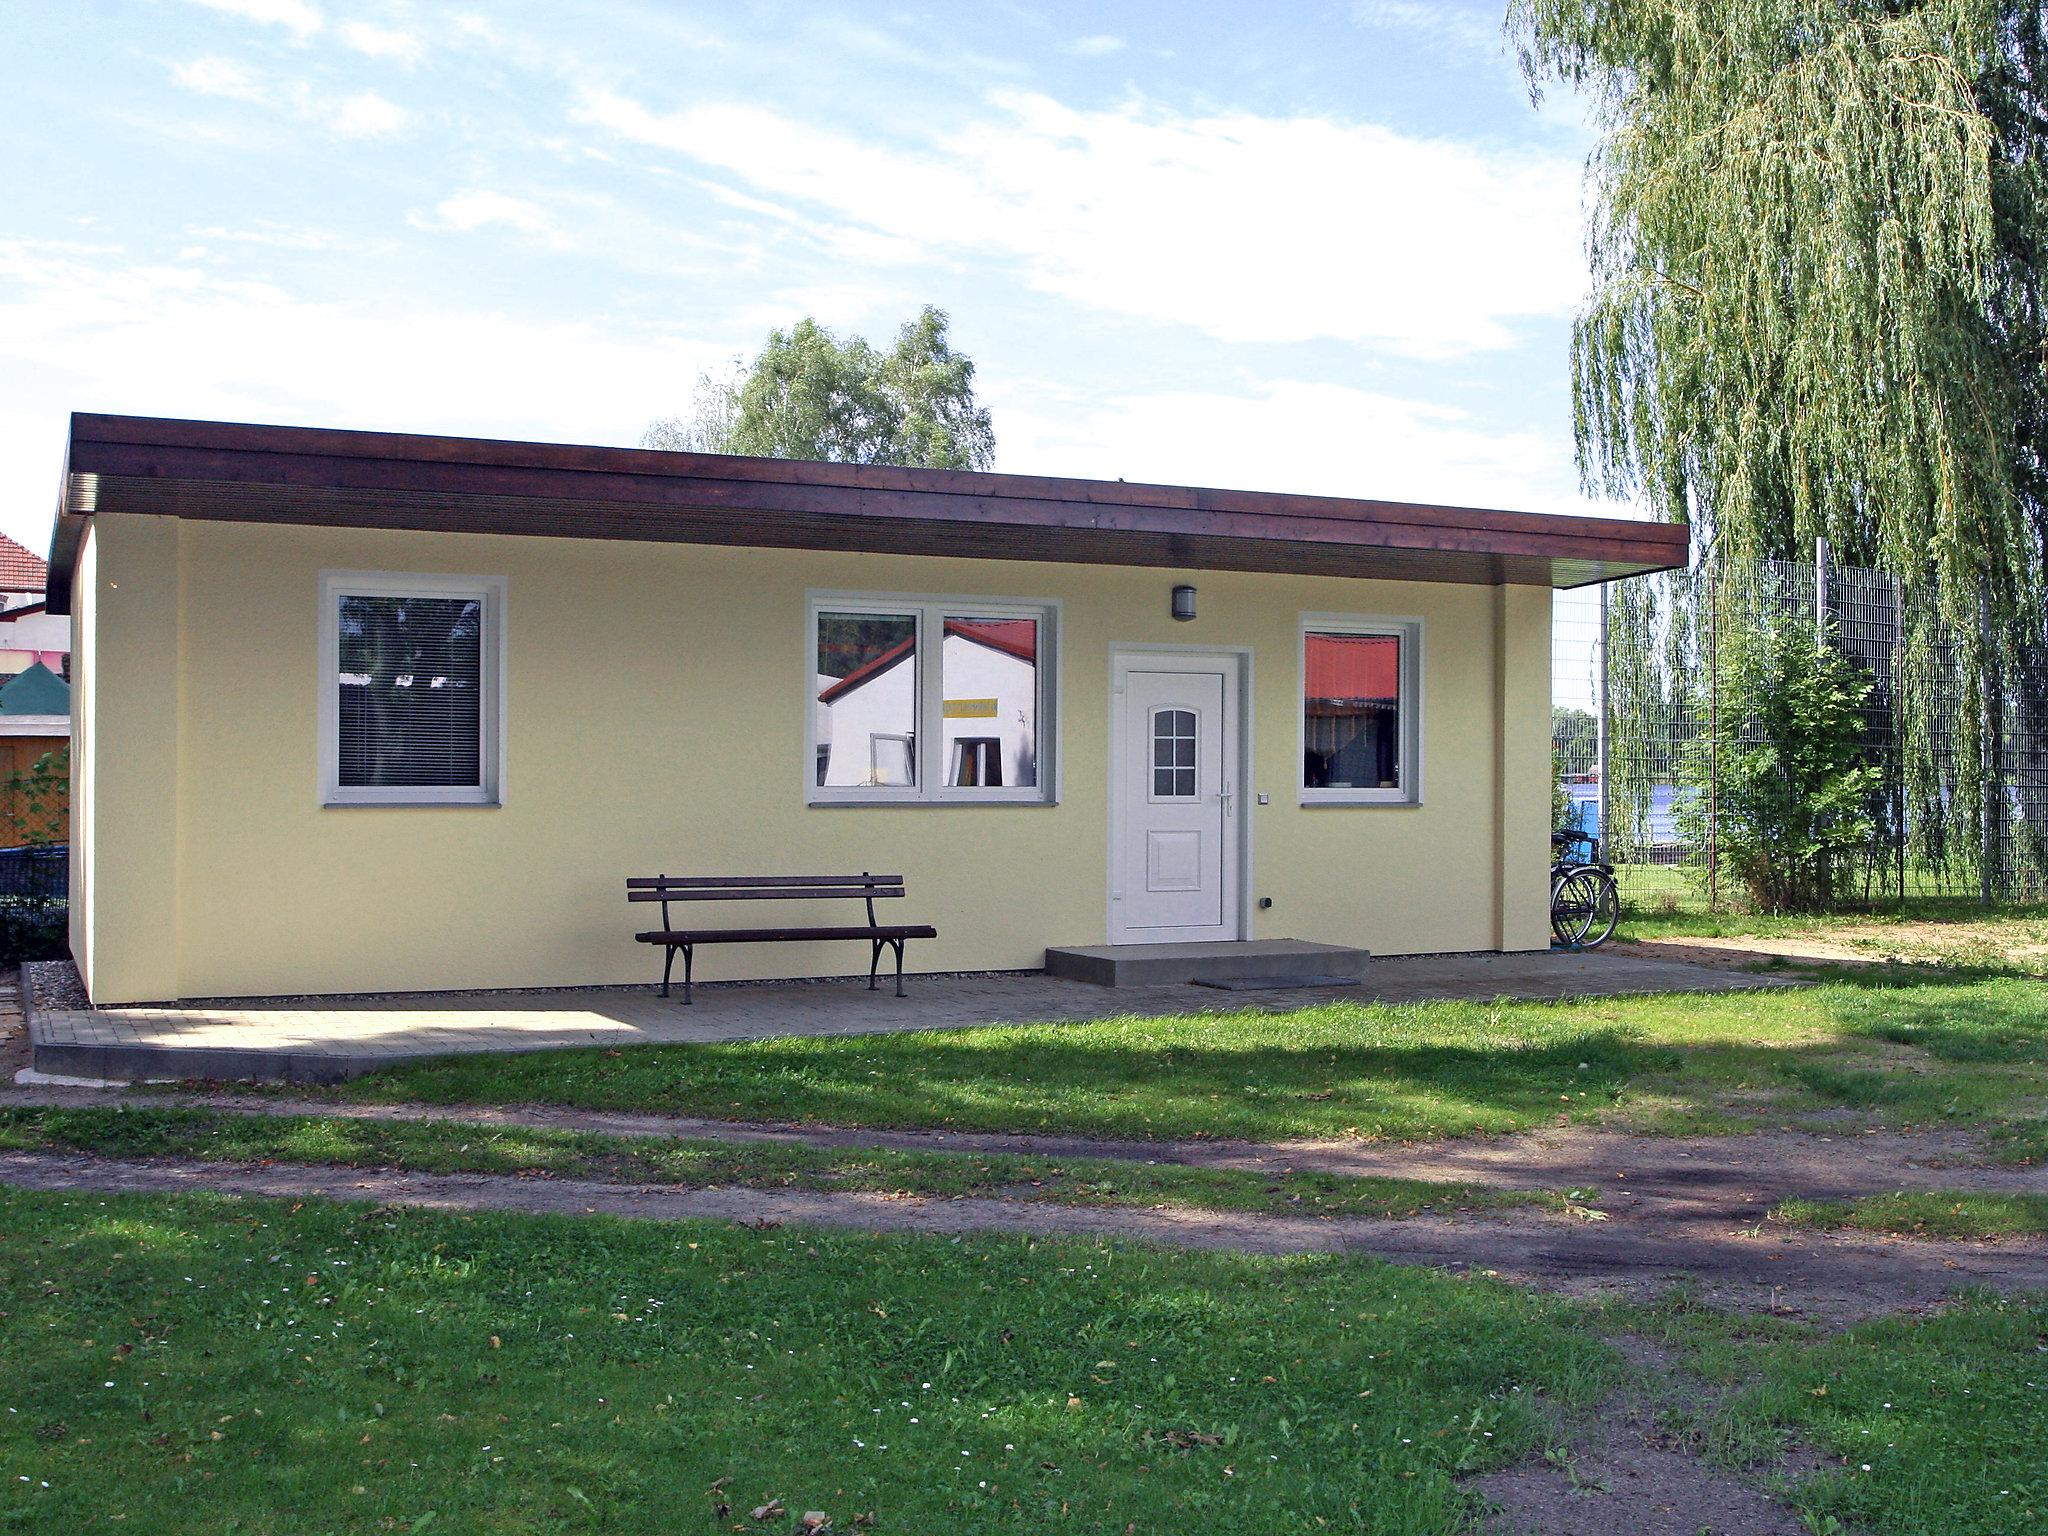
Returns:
(1324, 247)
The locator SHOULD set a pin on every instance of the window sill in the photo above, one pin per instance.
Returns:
(906, 803)
(412, 805)
(1360, 801)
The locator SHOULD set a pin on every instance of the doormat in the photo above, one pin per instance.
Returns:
(1274, 983)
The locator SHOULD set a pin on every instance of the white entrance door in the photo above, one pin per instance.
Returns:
(1175, 820)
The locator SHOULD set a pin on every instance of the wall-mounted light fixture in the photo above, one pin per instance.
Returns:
(1183, 603)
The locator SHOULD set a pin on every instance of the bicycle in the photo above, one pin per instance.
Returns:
(1585, 903)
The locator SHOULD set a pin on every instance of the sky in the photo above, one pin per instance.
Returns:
(1302, 246)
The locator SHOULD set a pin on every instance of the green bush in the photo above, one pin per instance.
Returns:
(1788, 756)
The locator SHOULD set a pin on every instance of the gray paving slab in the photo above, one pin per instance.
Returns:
(327, 1039)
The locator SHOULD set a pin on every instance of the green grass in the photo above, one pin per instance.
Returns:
(445, 1147)
(1928, 1213)
(204, 1364)
(1948, 934)
(1939, 1420)
(1914, 1053)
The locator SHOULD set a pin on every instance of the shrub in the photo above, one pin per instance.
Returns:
(1795, 788)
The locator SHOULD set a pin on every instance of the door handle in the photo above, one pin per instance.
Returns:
(1225, 798)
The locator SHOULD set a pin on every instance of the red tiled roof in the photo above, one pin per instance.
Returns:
(21, 570)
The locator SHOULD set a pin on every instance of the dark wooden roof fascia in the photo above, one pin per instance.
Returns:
(327, 477)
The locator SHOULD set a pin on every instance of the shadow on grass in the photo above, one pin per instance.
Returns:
(1920, 1050)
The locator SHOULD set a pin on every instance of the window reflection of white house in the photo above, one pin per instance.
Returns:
(866, 733)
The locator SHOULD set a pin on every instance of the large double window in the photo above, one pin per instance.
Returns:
(1361, 711)
(411, 689)
(920, 699)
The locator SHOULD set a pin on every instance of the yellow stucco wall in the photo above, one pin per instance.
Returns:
(655, 701)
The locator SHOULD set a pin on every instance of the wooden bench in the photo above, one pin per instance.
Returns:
(864, 887)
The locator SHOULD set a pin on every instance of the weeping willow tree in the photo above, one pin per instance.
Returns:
(1817, 256)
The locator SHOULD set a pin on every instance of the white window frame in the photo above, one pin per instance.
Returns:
(930, 612)
(1410, 747)
(487, 590)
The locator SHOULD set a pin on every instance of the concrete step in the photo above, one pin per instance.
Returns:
(1165, 965)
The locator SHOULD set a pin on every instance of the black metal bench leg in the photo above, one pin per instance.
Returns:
(874, 960)
(899, 966)
(689, 960)
(667, 965)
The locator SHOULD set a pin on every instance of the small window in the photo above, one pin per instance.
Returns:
(1173, 754)
(1359, 727)
(411, 698)
(922, 699)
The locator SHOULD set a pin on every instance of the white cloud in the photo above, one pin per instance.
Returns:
(1249, 228)
(300, 16)
(1097, 46)
(367, 115)
(478, 208)
(269, 232)
(1286, 435)
(1447, 29)
(383, 42)
(217, 77)
(90, 328)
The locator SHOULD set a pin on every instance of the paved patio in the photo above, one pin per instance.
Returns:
(314, 1040)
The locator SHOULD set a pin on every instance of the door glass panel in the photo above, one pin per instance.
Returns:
(1173, 754)
(865, 692)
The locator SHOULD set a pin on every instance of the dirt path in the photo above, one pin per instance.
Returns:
(1628, 1473)
(1833, 1277)
(1738, 1176)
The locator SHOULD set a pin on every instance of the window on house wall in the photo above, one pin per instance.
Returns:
(919, 699)
(1360, 712)
(412, 680)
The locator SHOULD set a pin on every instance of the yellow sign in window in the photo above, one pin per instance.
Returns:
(970, 709)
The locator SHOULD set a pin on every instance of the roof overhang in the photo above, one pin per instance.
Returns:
(228, 472)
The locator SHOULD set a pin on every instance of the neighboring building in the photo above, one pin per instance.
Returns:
(332, 733)
(35, 721)
(29, 632)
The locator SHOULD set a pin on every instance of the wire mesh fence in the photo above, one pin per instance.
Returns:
(1641, 711)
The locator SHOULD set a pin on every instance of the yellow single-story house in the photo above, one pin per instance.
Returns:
(359, 712)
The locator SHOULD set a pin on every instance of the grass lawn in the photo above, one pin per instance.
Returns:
(204, 1364)
(450, 1148)
(201, 1364)
(1947, 933)
(1940, 1420)
(1912, 1052)
(1927, 1213)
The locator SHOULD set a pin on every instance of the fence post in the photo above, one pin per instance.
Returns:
(1896, 704)
(1820, 593)
(1603, 800)
(1713, 739)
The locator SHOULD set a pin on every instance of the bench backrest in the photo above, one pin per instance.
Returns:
(668, 888)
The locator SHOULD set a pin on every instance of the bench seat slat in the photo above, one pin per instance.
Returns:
(779, 935)
(780, 893)
(726, 882)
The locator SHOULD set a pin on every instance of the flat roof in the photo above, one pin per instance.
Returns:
(236, 472)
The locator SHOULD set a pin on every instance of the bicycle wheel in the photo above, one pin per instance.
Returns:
(1570, 914)
(1585, 909)
(1606, 909)
(1575, 907)
(1562, 921)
